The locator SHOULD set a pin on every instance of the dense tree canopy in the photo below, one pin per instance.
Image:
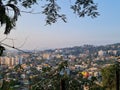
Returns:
(109, 77)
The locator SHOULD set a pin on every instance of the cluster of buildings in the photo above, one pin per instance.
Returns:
(10, 61)
(86, 59)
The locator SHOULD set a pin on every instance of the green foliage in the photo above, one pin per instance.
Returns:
(51, 10)
(96, 87)
(85, 7)
(53, 80)
(9, 85)
(46, 69)
(109, 76)
(24, 3)
(62, 65)
(13, 82)
(5, 86)
(18, 67)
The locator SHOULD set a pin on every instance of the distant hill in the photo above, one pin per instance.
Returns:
(86, 49)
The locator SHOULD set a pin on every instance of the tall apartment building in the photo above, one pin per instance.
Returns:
(11, 61)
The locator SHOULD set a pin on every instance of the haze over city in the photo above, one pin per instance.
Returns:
(32, 33)
(73, 54)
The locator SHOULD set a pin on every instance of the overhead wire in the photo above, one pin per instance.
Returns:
(12, 47)
(1, 42)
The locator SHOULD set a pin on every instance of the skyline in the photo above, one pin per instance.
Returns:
(31, 32)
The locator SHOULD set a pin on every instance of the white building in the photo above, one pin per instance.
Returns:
(101, 53)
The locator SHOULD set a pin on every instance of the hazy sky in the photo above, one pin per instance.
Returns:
(34, 34)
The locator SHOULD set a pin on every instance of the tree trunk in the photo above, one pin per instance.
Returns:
(62, 84)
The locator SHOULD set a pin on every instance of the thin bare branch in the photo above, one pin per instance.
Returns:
(23, 43)
(3, 39)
